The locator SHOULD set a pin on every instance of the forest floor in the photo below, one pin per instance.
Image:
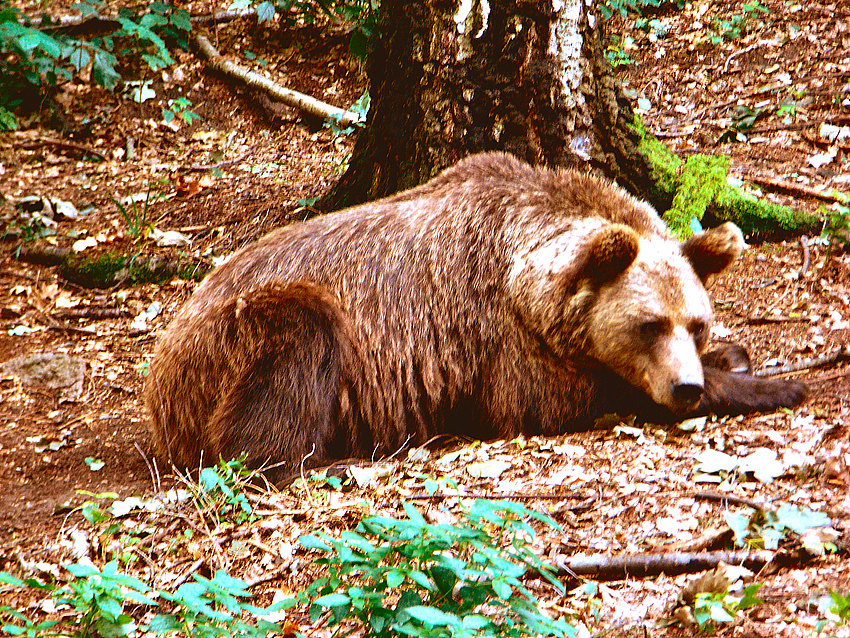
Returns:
(760, 95)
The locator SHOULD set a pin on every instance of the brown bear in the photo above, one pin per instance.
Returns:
(494, 300)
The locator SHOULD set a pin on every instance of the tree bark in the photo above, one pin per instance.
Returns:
(450, 78)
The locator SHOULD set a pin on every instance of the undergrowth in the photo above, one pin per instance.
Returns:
(387, 577)
(35, 60)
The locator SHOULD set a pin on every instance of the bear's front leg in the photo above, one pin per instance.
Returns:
(733, 393)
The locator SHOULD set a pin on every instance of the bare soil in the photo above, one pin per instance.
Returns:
(247, 167)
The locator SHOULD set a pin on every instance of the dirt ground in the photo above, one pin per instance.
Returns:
(246, 167)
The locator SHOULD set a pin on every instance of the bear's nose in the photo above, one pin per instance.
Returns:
(687, 394)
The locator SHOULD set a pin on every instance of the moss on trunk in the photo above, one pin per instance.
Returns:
(698, 188)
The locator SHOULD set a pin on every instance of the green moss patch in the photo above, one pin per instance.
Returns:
(699, 186)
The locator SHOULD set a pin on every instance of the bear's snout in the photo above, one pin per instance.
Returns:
(687, 394)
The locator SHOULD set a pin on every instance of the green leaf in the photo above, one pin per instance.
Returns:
(421, 579)
(308, 541)
(395, 577)
(739, 524)
(180, 19)
(164, 623)
(13, 630)
(749, 598)
(413, 514)
(433, 616)
(152, 20)
(82, 571)
(265, 11)
(799, 520)
(6, 577)
(333, 600)
(103, 70)
(28, 41)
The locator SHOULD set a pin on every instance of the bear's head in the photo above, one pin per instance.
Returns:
(633, 303)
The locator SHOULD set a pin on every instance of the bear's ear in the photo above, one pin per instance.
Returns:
(609, 253)
(712, 251)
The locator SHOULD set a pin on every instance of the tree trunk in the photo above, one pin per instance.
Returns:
(453, 78)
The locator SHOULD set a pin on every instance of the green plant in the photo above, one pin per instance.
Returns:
(615, 54)
(135, 217)
(787, 111)
(394, 577)
(360, 107)
(759, 528)
(624, 7)
(362, 14)
(92, 511)
(837, 609)
(837, 229)
(179, 107)
(219, 491)
(28, 227)
(654, 27)
(737, 24)
(721, 606)
(99, 597)
(212, 608)
(102, 602)
(33, 62)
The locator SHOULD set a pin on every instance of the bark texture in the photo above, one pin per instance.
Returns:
(450, 78)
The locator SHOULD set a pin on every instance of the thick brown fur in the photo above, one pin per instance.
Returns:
(494, 300)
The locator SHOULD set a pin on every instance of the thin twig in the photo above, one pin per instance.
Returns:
(185, 575)
(758, 321)
(739, 53)
(807, 364)
(19, 275)
(795, 189)
(494, 496)
(728, 498)
(46, 141)
(272, 575)
(804, 246)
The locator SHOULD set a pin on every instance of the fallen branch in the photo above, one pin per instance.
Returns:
(46, 141)
(603, 567)
(509, 496)
(92, 312)
(764, 319)
(728, 498)
(738, 53)
(298, 100)
(807, 364)
(106, 270)
(795, 189)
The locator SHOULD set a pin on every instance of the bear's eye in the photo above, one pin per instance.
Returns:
(699, 329)
(650, 330)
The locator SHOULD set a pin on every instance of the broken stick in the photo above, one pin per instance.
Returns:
(300, 101)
